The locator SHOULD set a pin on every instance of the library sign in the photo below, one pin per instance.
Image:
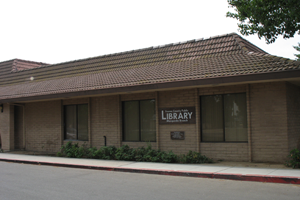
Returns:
(183, 115)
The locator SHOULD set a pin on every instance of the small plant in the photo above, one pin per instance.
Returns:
(294, 159)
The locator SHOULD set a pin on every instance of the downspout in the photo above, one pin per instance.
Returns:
(24, 137)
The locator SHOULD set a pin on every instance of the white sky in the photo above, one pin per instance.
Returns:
(63, 30)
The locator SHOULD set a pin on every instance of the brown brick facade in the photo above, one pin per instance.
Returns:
(7, 127)
(177, 98)
(269, 122)
(274, 122)
(104, 121)
(43, 122)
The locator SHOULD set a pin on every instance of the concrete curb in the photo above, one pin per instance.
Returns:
(239, 177)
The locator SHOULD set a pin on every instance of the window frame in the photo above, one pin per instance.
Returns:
(140, 133)
(223, 116)
(77, 124)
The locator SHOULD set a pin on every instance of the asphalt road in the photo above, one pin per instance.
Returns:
(30, 182)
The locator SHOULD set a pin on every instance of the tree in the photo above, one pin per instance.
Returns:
(267, 18)
(298, 49)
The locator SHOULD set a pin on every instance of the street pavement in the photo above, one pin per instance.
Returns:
(227, 170)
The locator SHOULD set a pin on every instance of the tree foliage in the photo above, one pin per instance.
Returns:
(298, 49)
(267, 18)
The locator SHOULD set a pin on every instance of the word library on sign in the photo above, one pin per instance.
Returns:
(177, 115)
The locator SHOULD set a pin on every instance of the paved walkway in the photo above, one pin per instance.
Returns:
(226, 170)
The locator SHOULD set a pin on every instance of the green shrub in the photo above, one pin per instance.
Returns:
(91, 152)
(73, 150)
(194, 157)
(294, 159)
(140, 154)
(148, 154)
(59, 154)
(108, 152)
(169, 157)
(125, 153)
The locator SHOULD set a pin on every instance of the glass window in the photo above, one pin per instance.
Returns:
(224, 118)
(212, 118)
(139, 121)
(131, 121)
(76, 122)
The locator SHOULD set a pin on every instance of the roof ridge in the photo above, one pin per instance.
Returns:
(30, 61)
(139, 50)
(20, 65)
(245, 45)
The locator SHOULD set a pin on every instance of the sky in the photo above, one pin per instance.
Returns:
(53, 31)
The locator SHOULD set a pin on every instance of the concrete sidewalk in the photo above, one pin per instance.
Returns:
(230, 170)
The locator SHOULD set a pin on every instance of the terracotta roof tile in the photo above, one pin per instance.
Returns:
(228, 55)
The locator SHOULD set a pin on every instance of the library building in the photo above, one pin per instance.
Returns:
(221, 96)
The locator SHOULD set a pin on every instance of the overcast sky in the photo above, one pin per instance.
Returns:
(63, 30)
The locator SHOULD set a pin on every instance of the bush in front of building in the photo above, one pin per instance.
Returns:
(73, 150)
(194, 157)
(294, 159)
(148, 154)
(125, 153)
(141, 154)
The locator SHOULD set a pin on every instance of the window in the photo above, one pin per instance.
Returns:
(76, 122)
(224, 118)
(139, 121)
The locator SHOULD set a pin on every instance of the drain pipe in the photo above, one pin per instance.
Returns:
(104, 140)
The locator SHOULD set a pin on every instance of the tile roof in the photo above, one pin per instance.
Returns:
(17, 65)
(221, 56)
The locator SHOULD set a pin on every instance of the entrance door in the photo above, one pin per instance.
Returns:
(18, 126)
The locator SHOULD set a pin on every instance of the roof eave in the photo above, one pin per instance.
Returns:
(214, 81)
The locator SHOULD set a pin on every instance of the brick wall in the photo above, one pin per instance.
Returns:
(75, 101)
(293, 115)
(274, 107)
(225, 151)
(138, 96)
(7, 127)
(104, 121)
(43, 126)
(177, 98)
(269, 122)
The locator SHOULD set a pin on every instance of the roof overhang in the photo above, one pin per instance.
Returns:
(291, 76)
